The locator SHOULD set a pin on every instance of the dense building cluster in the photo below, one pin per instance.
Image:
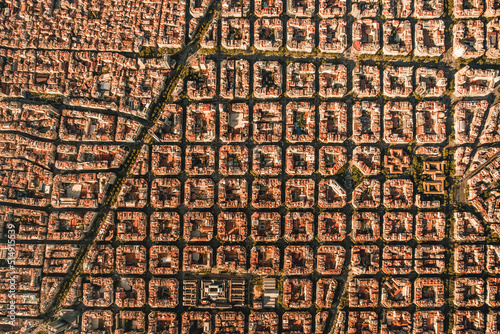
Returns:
(319, 166)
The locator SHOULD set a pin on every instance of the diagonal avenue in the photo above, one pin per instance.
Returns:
(109, 202)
